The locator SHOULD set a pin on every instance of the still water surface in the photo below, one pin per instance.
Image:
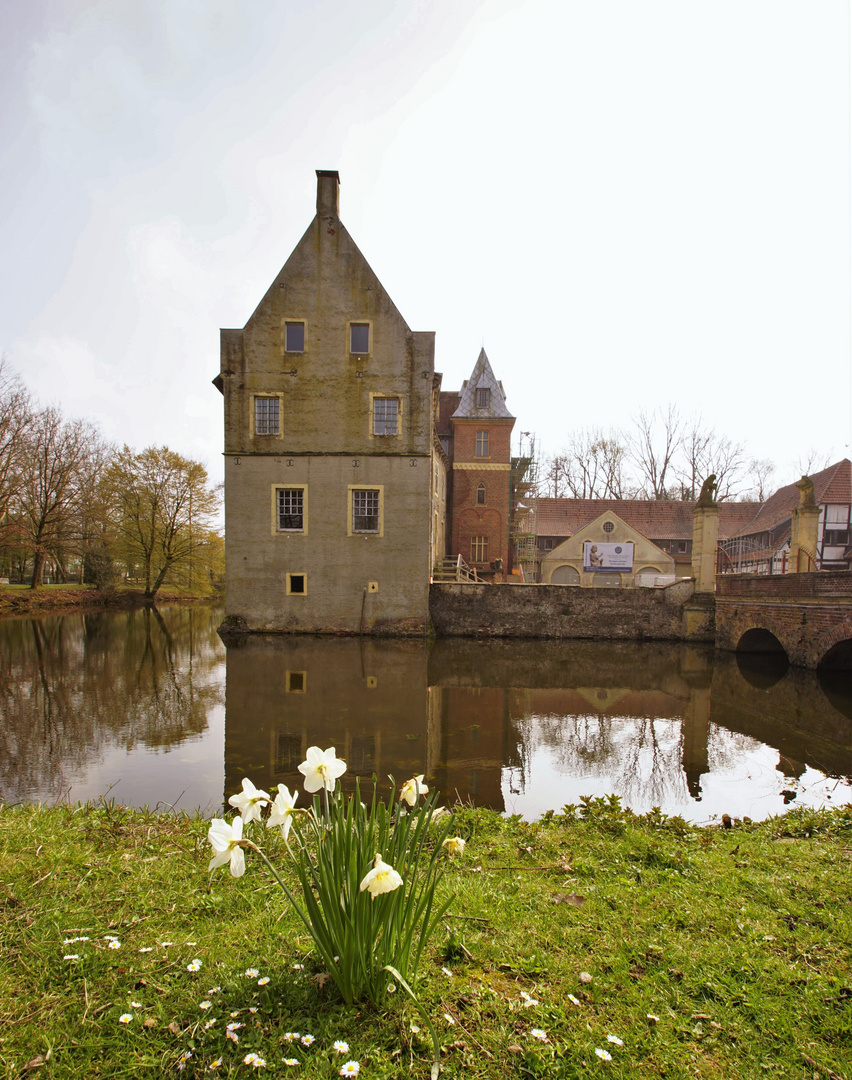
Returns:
(150, 708)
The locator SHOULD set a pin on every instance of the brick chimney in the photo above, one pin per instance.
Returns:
(328, 192)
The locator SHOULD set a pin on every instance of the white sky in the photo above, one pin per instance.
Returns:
(626, 201)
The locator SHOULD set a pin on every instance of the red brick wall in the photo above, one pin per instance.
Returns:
(786, 586)
(499, 440)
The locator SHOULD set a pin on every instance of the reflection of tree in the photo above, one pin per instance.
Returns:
(641, 756)
(78, 685)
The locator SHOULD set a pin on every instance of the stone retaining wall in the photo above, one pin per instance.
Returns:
(672, 613)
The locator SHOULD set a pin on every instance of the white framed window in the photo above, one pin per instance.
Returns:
(294, 337)
(386, 415)
(359, 338)
(289, 509)
(267, 415)
(482, 444)
(366, 510)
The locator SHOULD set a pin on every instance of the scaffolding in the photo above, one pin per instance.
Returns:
(523, 529)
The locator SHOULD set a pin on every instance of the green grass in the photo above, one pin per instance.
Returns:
(739, 941)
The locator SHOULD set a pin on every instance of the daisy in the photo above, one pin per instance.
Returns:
(251, 973)
(308, 1040)
(114, 944)
(215, 1063)
(573, 1000)
(602, 1054)
(135, 1004)
(71, 956)
(125, 1018)
(290, 1061)
(194, 965)
(291, 1036)
(351, 1068)
(263, 981)
(538, 1033)
(147, 948)
(205, 1005)
(615, 1040)
(340, 1046)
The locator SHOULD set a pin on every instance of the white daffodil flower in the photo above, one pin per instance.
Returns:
(381, 879)
(283, 808)
(226, 839)
(321, 769)
(454, 845)
(250, 801)
(412, 788)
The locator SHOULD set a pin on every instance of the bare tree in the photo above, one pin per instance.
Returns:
(653, 448)
(57, 455)
(163, 507)
(16, 417)
(759, 473)
(590, 467)
(813, 460)
(704, 453)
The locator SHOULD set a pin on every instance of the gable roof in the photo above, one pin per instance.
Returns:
(482, 378)
(657, 519)
(831, 485)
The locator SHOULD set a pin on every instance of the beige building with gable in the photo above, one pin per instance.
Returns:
(335, 485)
(606, 552)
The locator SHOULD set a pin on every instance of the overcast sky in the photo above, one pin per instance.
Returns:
(628, 202)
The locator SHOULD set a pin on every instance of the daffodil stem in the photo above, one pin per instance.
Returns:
(436, 1046)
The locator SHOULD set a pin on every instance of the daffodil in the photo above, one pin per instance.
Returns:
(454, 845)
(321, 769)
(381, 879)
(283, 808)
(226, 841)
(250, 801)
(412, 788)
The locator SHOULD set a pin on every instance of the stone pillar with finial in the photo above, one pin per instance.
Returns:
(705, 537)
(804, 530)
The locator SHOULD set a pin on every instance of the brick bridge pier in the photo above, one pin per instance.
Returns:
(808, 614)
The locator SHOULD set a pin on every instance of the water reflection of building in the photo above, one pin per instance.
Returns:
(472, 715)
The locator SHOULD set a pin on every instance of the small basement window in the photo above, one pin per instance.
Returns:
(297, 584)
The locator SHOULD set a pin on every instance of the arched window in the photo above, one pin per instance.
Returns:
(480, 495)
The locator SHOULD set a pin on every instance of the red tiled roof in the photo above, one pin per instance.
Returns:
(658, 519)
(831, 485)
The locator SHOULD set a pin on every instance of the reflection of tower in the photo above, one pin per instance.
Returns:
(696, 730)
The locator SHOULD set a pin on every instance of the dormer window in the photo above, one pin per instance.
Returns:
(483, 397)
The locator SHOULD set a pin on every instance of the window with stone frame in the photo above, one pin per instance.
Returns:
(479, 549)
(386, 416)
(291, 509)
(359, 338)
(267, 417)
(366, 509)
(294, 337)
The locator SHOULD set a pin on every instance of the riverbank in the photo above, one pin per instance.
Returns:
(587, 943)
(60, 599)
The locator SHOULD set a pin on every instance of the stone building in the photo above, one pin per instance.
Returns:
(335, 483)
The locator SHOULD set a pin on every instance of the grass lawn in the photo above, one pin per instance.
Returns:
(590, 943)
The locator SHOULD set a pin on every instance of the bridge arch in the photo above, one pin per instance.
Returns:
(833, 649)
(760, 640)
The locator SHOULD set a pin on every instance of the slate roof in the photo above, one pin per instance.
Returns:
(831, 485)
(482, 378)
(658, 519)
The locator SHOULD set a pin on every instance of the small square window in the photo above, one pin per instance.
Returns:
(266, 416)
(297, 584)
(385, 416)
(291, 509)
(359, 337)
(482, 444)
(365, 510)
(297, 682)
(294, 337)
(483, 397)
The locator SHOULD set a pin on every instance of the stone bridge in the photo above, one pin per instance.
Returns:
(809, 616)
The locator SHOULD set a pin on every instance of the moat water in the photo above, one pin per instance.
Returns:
(149, 708)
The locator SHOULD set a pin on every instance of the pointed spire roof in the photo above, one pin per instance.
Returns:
(482, 378)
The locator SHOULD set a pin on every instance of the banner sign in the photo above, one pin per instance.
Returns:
(601, 556)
